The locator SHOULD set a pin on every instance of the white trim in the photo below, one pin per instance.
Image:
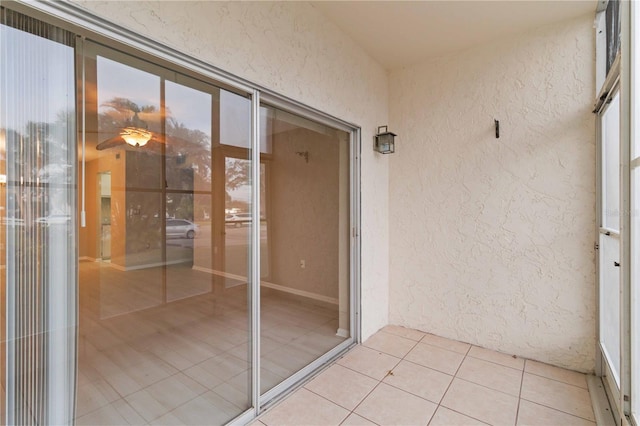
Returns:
(267, 284)
(315, 296)
(342, 333)
(219, 273)
(599, 401)
(147, 265)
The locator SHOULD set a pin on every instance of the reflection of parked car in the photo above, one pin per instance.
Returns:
(12, 221)
(181, 228)
(238, 219)
(54, 219)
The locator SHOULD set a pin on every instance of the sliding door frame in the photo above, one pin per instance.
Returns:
(84, 24)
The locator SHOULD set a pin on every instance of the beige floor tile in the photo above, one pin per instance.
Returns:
(491, 375)
(561, 396)
(404, 332)
(436, 358)
(390, 344)
(370, 362)
(387, 405)
(146, 405)
(224, 366)
(123, 384)
(107, 415)
(287, 360)
(130, 415)
(174, 359)
(305, 408)
(481, 403)
(203, 376)
(167, 420)
(530, 414)
(175, 390)
(207, 409)
(446, 417)
(497, 357)
(556, 373)
(444, 343)
(356, 420)
(93, 395)
(342, 386)
(151, 371)
(418, 380)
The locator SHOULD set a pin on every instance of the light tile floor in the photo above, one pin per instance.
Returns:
(179, 356)
(405, 377)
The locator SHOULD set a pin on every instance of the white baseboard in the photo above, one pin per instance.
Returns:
(147, 265)
(273, 286)
(302, 293)
(220, 273)
(342, 333)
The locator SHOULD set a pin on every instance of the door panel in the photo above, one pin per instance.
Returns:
(609, 243)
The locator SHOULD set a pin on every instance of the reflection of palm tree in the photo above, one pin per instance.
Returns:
(187, 151)
(123, 112)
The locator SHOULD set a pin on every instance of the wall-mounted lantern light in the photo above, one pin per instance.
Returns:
(385, 143)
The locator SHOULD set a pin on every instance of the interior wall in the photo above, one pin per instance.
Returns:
(492, 239)
(291, 48)
(305, 212)
(89, 236)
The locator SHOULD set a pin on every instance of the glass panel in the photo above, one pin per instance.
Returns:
(611, 165)
(238, 219)
(305, 279)
(160, 332)
(610, 302)
(38, 228)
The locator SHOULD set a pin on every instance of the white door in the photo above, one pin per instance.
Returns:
(609, 243)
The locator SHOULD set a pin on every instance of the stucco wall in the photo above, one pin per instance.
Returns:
(492, 239)
(291, 48)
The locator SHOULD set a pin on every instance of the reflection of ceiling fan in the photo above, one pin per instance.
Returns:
(136, 134)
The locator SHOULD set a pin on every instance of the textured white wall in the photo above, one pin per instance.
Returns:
(491, 239)
(291, 48)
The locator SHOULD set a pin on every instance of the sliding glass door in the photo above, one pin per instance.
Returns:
(161, 330)
(173, 250)
(304, 290)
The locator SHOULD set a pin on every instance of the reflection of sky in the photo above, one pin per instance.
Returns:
(116, 80)
(189, 106)
(235, 120)
(41, 75)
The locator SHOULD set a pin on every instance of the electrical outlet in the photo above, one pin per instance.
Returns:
(303, 263)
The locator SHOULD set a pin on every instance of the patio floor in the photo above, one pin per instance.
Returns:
(401, 376)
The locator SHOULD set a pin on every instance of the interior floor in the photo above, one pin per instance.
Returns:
(170, 346)
(401, 376)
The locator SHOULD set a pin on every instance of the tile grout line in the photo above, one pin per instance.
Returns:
(381, 380)
(558, 380)
(520, 393)
(448, 387)
(559, 410)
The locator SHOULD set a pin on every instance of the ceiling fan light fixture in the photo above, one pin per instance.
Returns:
(135, 136)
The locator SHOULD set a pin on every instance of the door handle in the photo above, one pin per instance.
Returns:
(617, 264)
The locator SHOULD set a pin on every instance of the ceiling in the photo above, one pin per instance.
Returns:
(402, 33)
